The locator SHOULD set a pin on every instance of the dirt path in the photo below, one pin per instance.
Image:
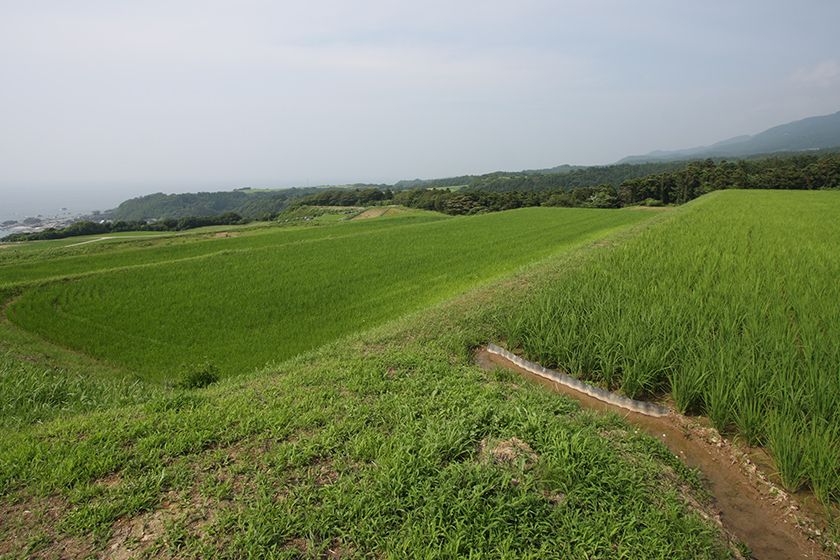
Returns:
(750, 508)
(105, 238)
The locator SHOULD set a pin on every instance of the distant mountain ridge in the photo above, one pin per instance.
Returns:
(812, 133)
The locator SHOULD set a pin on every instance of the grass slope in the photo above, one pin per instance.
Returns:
(282, 294)
(732, 306)
(389, 445)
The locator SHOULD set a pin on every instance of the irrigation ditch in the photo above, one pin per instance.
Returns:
(748, 506)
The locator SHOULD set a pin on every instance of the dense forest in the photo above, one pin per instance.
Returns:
(613, 175)
(678, 184)
(820, 171)
(366, 196)
(561, 176)
(245, 202)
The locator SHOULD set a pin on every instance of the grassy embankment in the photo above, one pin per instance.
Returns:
(732, 307)
(390, 443)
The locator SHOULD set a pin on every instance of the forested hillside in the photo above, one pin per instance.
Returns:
(247, 203)
(676, 184)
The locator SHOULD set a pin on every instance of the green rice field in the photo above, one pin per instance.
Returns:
(242, 302)
(350, 419)
(732, 307)
(392, 444)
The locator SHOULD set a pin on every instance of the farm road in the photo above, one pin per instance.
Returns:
(105, 238)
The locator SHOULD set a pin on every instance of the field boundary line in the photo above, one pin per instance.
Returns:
(115, 237)
(641, 407)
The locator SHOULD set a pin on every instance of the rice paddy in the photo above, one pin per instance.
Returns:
(351, 421)
(241, 303)
(731, 306)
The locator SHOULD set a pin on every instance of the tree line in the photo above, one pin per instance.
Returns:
(806, 172)
(682, 183)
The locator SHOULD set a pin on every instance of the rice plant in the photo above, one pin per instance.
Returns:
(733, 305)
(786, 442)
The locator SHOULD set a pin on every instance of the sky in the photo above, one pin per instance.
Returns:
(104, 100)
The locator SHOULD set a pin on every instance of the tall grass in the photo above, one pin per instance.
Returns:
(35, 393)
(732, 305)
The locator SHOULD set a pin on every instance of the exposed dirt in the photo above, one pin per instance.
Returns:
(133, 535)
(108, 237)
(377, 213)
(138, 535)
(508, 451)
(17, 521)
(750, 507)
(371, 213)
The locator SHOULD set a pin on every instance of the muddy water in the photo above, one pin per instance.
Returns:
(746, 512)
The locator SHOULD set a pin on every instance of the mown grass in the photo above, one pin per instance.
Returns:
(383, 445)
(733, 306)
(272, 296)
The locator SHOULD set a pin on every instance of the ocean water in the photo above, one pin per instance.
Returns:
(17, 204)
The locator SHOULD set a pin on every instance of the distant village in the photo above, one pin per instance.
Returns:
(40, 222)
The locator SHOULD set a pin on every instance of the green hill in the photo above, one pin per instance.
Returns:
(245, 202)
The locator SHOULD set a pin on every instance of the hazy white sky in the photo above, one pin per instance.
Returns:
(109, 99)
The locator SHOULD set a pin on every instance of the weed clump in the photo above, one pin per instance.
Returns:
(198, 376)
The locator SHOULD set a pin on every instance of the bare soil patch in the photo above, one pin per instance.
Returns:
(511, 451)
(16, 530)
(371, 213)
(134, 536)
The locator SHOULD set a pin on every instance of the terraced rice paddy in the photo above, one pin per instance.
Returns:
(394, 443)
(243, 302)
(732, 306)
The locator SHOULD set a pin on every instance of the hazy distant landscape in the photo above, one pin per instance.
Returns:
(380, 280)
(807, 136)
